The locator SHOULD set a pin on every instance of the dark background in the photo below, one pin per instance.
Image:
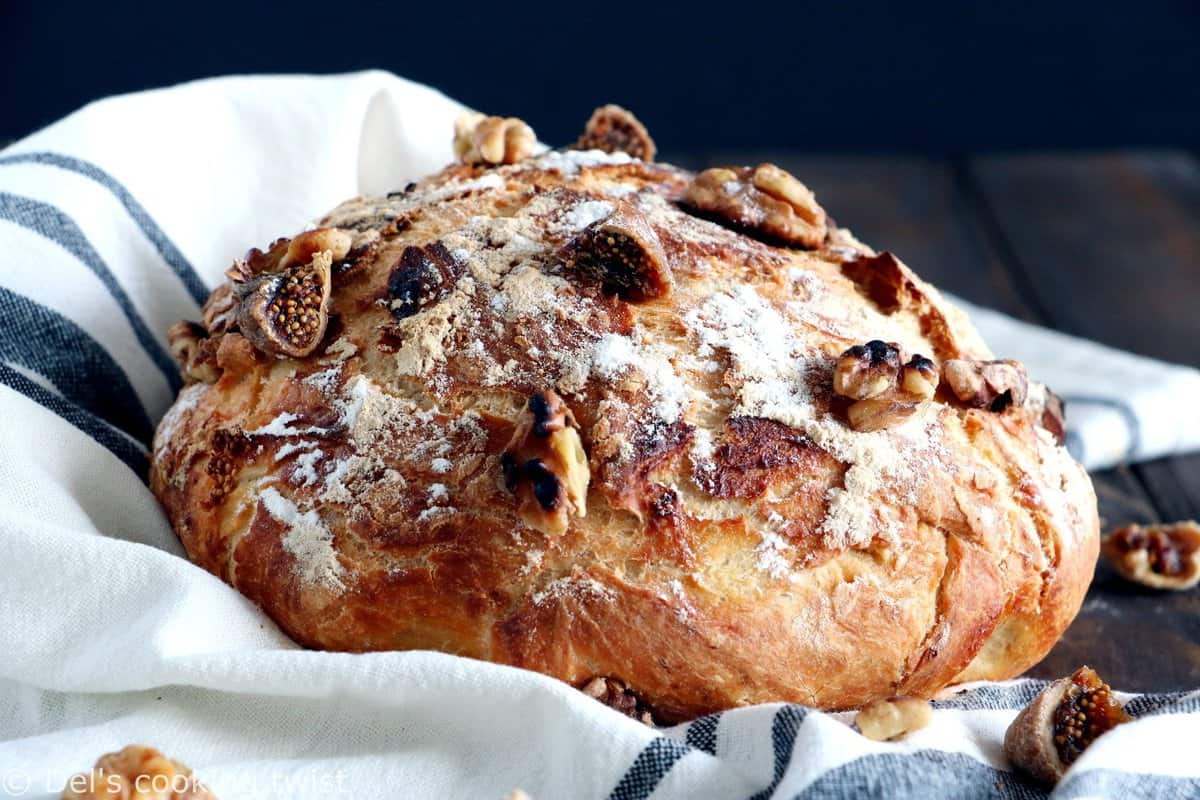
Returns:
(931, 78)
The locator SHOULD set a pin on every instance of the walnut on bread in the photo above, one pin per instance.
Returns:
(545, 465)
(764, 200)
(480, 139)
(580, 413)
(994, 385)
(884, 392)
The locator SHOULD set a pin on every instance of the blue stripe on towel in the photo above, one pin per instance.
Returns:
(784, 729)
(702, 734)
(648, 769)
(51, 223)
(81, 370)
(150, 229)
(117, 443)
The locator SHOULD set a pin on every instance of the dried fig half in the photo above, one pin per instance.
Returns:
(1158, 556)
(1050, 733)
(284, 313)
(614, 129)
(624, 254)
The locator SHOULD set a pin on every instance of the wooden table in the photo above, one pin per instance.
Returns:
(1105, 246)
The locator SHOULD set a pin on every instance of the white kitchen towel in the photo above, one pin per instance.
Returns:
(113, 224)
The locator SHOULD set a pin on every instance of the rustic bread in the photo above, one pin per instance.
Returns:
(577, 413)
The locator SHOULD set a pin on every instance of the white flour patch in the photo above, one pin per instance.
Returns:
(308, 540)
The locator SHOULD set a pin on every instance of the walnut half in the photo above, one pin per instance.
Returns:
(136, 772)
(994, 385)
(619, 697)
(765, 200)
(1158, 556)
(546, 467)
(885, 393)
(479, 139)
(1053, 731)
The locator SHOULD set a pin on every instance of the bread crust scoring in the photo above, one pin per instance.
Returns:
(739, 542)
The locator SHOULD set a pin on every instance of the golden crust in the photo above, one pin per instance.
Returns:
(741, 544)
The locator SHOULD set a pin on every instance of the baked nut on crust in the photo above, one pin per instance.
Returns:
(700, 522)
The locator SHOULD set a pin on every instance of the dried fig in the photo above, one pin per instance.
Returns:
(1061, 722)
(1158, 556)
(284, 313)
(624, 254)
(613, 129)
(423, 276)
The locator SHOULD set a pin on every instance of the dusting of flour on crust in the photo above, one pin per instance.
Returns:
(308, 540)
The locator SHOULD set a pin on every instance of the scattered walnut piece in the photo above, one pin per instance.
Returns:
(517, 794)
(624, 254)
(617, 696)
(480, 139)
(764, 200)
(884, 392)
(1158, 556)
(994, 385)
(284, 313)
(194, 352)
(136, 773)
(546, 467)
(1062, 721)
(614, 129)
(893, 718)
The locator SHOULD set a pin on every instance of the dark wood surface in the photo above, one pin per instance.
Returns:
(1105, 246)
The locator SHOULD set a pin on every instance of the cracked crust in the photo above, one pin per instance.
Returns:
(741, 544)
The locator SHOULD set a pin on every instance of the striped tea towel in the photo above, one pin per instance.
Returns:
(113, 224)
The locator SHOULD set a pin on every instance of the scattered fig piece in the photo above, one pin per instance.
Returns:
(624, 254)
(546, 467)
(1052, 732)
(424, 275)
(893, 718)
(284, 313)
(1158, 556)
(614, 129)
(619, 697)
